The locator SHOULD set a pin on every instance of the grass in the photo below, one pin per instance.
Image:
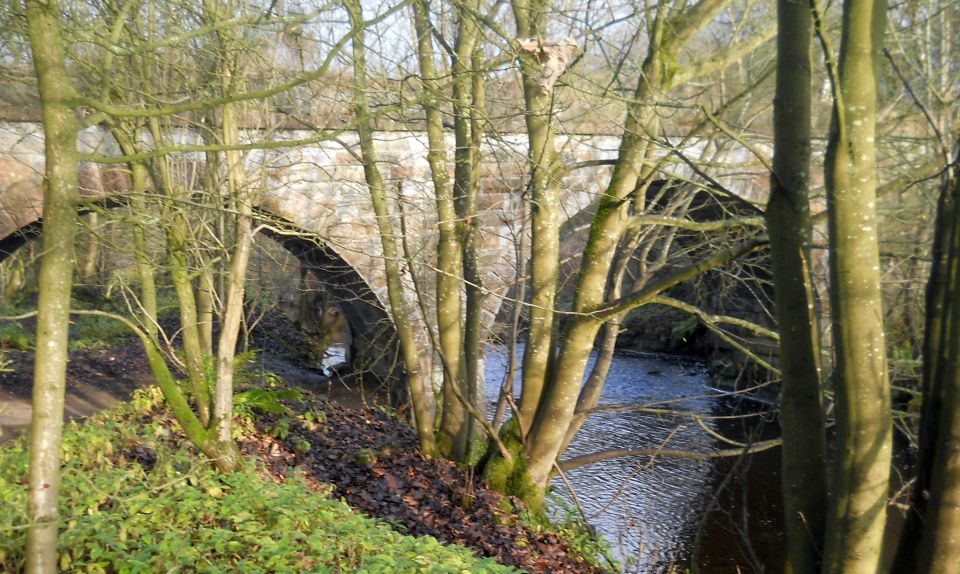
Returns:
(136, 497)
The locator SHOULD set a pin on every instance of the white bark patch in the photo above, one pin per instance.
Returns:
(554, 57)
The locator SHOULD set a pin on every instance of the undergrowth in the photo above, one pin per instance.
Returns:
(569, 523)
(136, 497)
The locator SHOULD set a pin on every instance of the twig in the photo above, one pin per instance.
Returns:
(586, 459)
(923, 109)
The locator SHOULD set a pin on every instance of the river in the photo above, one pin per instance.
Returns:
(669, 514)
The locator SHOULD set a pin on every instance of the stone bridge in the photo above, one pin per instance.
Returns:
(313, 200)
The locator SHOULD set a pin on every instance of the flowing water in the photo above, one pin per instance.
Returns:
(665, 513)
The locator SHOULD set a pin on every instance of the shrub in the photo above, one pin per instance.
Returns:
(91, 331)
(14, 337)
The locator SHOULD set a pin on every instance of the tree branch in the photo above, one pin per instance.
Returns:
(691, 225)
(586, 459)
(724, 59)
(652, 290)
(319, 73)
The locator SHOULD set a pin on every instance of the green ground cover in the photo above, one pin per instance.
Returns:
(137, 498)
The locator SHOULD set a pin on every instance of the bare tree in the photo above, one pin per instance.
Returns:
(803, 473)
(554, 368)
(60, 199)
(417, 379)
(861, 470)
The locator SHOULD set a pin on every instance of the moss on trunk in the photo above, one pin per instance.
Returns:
(512, 477)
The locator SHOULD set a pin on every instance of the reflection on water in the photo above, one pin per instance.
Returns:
(650, 509)
(334, 355)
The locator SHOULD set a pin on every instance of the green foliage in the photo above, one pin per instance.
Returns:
(281, 428)
(266, 397)
(901, 352)
(247, 403)
(137, 498)
(92, 331)
(143, 401)
(265, 400)
(244, 368)
(14, 337)
(314, 420)
(684, 329)
(569, 525)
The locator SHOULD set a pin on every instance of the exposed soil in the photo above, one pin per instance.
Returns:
(96, 378)
(100, 376)
(371, 458)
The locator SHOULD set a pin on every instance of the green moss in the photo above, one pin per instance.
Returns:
(478, 449)
(444, 444)
(512, 477)
(670, 67)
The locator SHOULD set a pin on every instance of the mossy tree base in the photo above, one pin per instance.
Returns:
(445, 446)
(512, 476)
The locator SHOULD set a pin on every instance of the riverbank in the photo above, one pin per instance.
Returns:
(137, 498)
(316, 453)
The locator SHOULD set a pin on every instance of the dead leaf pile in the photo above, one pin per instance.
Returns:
(373, 462)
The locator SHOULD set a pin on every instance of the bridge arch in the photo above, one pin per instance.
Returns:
(373, 338)
(373, 347)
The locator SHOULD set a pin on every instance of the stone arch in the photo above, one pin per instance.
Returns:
(17, 239)
(373, 347)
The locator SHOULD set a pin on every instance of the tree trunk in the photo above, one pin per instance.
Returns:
(180, 239)
(940, 545)
(452, 439)
(90, 269)
(803, 475)
(60, 199)
(539, 354)
(137, 205)
(145, 266)
(468, 113)
(555, 410)
(419, 391)
(552, 381)
(920, 548)
(860, 478)
(229, 457)
(206, 292)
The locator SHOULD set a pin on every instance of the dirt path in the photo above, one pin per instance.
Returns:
(100, 376)
(96, 378)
